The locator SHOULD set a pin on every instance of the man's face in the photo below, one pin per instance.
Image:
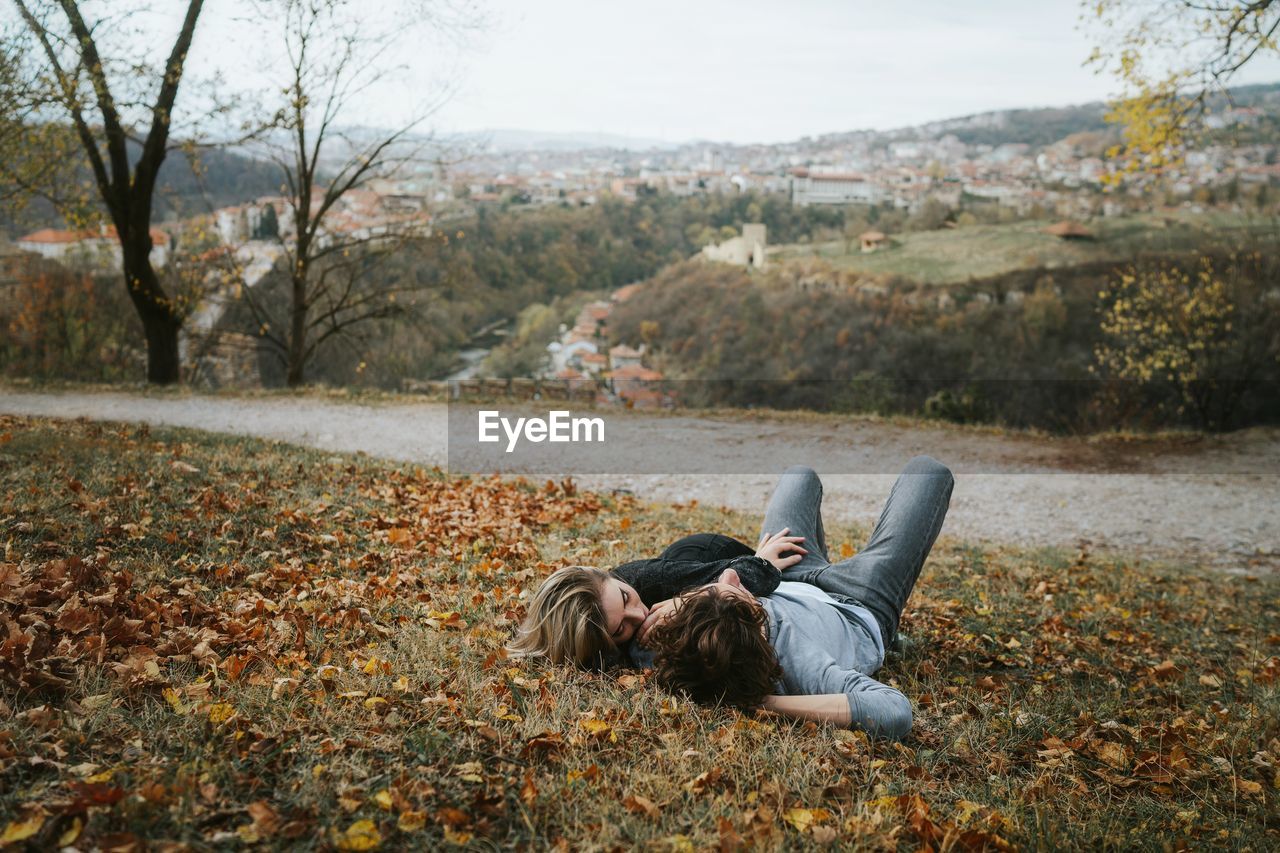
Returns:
(624, 612)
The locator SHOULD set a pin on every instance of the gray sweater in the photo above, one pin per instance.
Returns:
(829, 646)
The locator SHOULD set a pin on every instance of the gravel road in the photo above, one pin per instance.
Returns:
(1215, 500)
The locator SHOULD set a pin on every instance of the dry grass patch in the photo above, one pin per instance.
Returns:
(225, 642)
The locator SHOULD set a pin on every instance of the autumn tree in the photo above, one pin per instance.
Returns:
(1205, 331)
(85, 64)
(333, 234)
(1170, 57)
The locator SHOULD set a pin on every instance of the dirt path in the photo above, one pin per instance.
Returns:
(1217, 500)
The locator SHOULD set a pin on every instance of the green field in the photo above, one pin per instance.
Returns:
(955, 255)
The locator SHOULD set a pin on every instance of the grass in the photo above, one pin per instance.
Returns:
(953, 256)
(216, 642)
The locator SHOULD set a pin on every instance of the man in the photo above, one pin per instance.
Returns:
(808, 649)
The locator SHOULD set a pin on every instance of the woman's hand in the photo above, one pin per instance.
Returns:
(773, 545)
(657, 613)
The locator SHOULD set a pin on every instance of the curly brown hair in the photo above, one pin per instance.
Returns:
(715, 649)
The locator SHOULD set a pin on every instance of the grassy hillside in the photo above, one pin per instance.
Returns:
(214, 642)
(978, 251)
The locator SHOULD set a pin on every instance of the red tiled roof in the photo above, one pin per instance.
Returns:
(838, 176)
(642, 396)
(1067, 228)
(622, 294)
(635, 372)
(53, 235)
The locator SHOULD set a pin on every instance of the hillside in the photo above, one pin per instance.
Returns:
(185, 188)
(956, 255)
(1039, 126)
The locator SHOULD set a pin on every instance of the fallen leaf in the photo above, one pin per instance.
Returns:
(1112, 753)
(637, 804)
(803, 819)
(21, 830)
(220, 712)
(361, 835)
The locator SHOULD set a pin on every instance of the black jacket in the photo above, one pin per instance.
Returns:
(696, 560)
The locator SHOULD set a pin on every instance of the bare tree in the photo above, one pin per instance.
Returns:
(111, 101)
(335, 232)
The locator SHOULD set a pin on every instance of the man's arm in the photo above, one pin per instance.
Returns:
(876, 708)
(825, 708)
(882, 712)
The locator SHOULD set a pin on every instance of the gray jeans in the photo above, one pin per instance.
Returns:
(881, 576)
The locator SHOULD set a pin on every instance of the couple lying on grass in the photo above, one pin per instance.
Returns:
(782, 628)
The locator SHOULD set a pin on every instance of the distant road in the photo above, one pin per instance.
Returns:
(1216, 500)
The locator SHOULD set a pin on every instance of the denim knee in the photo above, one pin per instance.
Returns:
(931, 466)
(801, 471)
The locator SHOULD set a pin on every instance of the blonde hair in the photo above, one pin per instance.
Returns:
(566, 621)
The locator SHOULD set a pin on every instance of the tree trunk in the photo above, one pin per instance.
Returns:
(163, 365)
(159, 322)
(296, 364)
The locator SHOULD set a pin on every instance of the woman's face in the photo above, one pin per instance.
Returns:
(624, 612)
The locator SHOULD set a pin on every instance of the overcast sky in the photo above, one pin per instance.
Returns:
(755, 70)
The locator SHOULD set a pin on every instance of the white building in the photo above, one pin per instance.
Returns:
(809, 187)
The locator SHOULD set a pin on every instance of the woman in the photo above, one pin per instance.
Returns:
(588, 616)
(808, 649)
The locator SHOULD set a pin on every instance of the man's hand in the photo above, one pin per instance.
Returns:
(773, 545)
(660, 611)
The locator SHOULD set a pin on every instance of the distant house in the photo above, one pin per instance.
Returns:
(624, 356)
(594, 312)
(622, 294)
(592, 362)
(745, 251)
(872, 240)
(93, 248)
(565, 354)
(635, 373)
(583, 332)
(574, 379)
(634, 385)
(1069, 230)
